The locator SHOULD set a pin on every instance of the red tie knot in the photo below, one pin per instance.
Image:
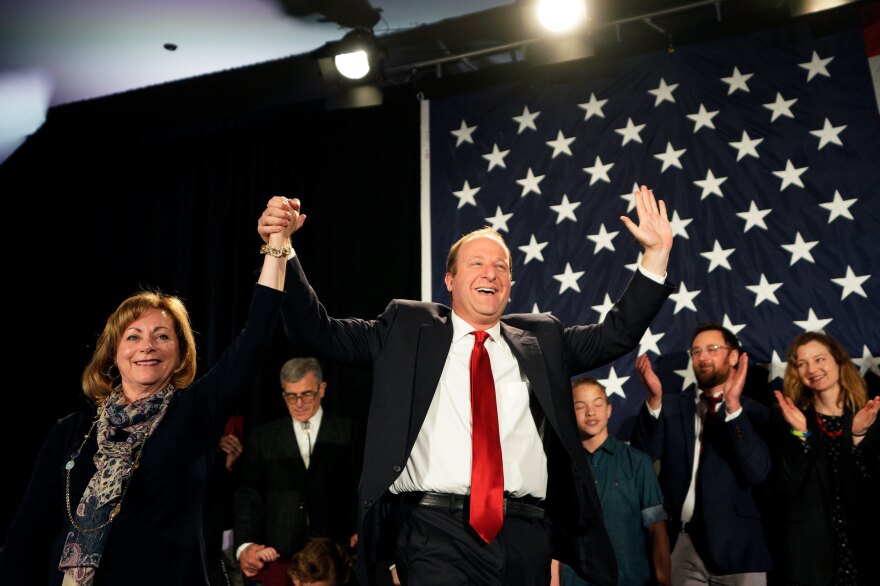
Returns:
(481, 335)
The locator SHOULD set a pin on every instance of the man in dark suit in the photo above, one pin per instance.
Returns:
(713, 458)
(445, 521)
(297, 479)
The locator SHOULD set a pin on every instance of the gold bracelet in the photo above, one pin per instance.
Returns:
(282, 252)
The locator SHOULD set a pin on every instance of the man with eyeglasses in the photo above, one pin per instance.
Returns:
(297, 479)
(713, 459)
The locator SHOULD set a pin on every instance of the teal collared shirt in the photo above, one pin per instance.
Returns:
(631, 500)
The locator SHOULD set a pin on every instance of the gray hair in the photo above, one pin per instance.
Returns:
(296, 368)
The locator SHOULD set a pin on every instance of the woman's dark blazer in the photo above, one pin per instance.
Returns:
(803, 486)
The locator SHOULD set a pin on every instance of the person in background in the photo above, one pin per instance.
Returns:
(827, 472)
(117, 492)
(714, 460)
(297, 479)
(321, 562)
(632, 502)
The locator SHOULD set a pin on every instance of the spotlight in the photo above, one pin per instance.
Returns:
(561, 16)
(351, 67)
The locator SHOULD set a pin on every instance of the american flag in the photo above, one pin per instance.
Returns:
(766, 149)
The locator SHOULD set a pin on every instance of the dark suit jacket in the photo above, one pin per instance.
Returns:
(735, 461)
(407, 346)
(280, 503)
(157, 536)
(804, 485)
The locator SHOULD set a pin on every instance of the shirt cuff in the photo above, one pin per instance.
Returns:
(241, 548)
(659, 279)
(654, 414)
(653, 515)
(734, 415)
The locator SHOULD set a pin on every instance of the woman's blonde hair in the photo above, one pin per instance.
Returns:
(853, 388)
(101, 375)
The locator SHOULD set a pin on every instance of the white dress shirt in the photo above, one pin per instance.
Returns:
(440, 460)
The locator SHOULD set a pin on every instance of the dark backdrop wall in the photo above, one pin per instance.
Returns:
(118, 194)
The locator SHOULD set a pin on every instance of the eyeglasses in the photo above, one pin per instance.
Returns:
(710, 350)
(306, 397)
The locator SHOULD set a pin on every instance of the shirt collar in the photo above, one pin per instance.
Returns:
(609, 445)
(700, 394)
(461, 328)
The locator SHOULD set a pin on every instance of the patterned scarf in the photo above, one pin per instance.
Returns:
(122, 431)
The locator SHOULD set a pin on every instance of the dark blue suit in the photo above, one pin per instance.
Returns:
(728, 532)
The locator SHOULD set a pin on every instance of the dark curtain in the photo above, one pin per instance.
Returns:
(117, 195)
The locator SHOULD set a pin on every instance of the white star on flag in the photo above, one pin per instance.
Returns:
(703, 119)
(614, 384)
(746, 146)
(565, 210)
(599, 171)
(851, 283)
(678, 225)
(868, 362)
(829, 134)
(737, 81)
(838, 207)
(630, 132)
(791, 175)
(603, 308)
(602, 239)
(536, 310)
(781, 107)
(813, 323)
(634, 265)
(463, 134)
(496, 157)
(569, 279)
(499, 220)
(754, 217)
(718, 257)
(776, 368)
(648, 343)
(735, 328)
(526, 120)
(816, 66)
(663, 92)
(593, 107)
(711, 185)
(764, 291)
(561, 145)
(687, 374)
(466, 195)
(670, 157)
(533, 250)
(530, 183)
(684, 299)
(800, 249)
(630, 198)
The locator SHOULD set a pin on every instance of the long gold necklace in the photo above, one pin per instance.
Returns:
(72, 462)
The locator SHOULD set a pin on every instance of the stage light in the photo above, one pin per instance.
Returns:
(354, 65)
(559, 16)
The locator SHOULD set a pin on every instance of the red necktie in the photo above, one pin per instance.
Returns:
(487, 470)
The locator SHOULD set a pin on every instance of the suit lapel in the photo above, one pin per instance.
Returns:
(688, 412)
(286, 439)
(527, 351)
(433, 348)
(328, 433)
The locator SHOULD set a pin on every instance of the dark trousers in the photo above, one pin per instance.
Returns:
(439, 548)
